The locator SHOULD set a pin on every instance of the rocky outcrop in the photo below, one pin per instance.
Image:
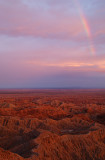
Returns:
(52, 125)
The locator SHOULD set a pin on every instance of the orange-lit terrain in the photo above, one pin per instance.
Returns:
(52, 124)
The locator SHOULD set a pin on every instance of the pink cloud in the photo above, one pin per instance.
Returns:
(19, 20)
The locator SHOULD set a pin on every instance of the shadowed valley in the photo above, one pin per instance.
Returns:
(52, 124)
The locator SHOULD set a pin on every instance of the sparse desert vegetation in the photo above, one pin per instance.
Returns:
(52, 124)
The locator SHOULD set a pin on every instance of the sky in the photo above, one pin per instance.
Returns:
(52, 43)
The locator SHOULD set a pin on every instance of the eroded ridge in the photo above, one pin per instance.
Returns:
(52, 124)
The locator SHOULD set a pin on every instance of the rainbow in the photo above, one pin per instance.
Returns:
(86, 27)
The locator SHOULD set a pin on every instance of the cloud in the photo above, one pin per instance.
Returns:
(50, 19)
(20, 20)
(45, 41)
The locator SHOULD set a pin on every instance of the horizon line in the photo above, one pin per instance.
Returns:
(52, 88)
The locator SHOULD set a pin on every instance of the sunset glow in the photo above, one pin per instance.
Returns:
(52, 44)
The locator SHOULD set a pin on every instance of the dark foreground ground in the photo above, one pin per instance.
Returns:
(52, 124)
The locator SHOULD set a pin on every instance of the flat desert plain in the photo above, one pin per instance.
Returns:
(52, 124)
